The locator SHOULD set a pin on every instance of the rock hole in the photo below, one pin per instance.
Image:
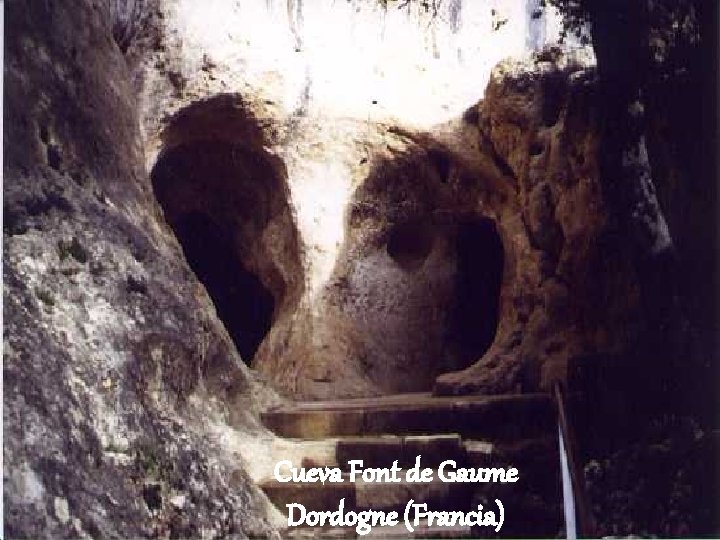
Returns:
(442, 164)
(152, 493)
(536, 149)
(472, 115)
(242, 302)
(54, 157)
(480, 260)
(44, 133)
(410, 243)
(553, 97)
(221, 198)
(501, 164)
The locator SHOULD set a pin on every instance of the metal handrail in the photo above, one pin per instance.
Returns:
(583, 513)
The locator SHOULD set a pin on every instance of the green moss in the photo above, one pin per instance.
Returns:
(148, 462)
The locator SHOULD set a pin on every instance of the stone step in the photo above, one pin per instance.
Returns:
(536, 459)
(527, 513)
(495, 417)
(529, 510)
(474, 431)
(373, 450)
(479, 453)
(533, 451)
(383, 450)
(360, 495)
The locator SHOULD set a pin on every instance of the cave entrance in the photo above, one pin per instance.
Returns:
(480, 261)
(242, 302)
(410, 243)
(228, 207)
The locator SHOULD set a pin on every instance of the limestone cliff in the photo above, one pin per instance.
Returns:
(117, 374)
(570, 290)
(209, 209)
(384, 250)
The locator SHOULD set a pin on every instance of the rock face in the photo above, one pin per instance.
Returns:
(379, 252)
(117, 374)
(570, 289)
(195, 219)
(355, 257)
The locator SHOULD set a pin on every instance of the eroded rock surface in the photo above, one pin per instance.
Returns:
(570, 288)
(117, 374)
(187, 211)
(404, 251)
(356, 228)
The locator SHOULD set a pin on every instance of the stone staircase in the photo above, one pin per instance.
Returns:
(474, 431)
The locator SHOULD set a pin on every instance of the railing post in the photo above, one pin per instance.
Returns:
(568, 456)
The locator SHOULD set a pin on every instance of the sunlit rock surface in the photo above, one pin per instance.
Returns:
(367, 114)
(419, 65)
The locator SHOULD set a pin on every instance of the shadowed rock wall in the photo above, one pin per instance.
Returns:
(117, 374)
(573, 289)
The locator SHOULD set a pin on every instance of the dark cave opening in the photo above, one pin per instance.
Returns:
(480, 260)
(410, 243)
(220, 198)
(242, 302)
